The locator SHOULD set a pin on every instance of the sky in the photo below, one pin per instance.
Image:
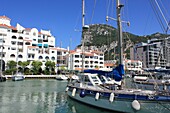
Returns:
(63, 17)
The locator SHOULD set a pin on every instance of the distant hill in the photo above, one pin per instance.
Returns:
(103, 37)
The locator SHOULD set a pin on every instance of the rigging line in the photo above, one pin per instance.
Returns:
(164, 8)
(93, 11)
(161, 13)
(107, 12)
(157, 15)
(159, 52)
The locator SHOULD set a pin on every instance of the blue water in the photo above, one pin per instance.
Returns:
(39, 96)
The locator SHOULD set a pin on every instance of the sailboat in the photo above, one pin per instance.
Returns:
(18, 76)
(93, 92)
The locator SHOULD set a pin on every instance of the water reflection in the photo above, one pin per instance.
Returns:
(77, 107)
(31, 96)
(41, 96)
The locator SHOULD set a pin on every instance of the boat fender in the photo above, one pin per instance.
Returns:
(97, 96)
(74, 92)
(111, 97)
(136, 105)
(83, 93)
(67, 89)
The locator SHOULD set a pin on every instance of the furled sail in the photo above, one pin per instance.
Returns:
(116, 73)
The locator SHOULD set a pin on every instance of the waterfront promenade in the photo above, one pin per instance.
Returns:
(36, 76)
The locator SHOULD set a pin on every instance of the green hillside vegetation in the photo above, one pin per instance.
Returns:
(100, 35)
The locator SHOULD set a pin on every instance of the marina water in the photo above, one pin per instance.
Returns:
(39, 96)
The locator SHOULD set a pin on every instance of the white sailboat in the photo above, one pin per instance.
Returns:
(93, 92)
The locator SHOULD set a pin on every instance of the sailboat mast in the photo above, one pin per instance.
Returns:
(83, 15)
(83, 12)
(119, 24)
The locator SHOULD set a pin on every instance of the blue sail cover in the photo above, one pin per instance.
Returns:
(116, 73)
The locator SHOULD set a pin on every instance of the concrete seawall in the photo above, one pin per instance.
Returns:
(36, 76)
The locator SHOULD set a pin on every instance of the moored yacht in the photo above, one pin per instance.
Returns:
(18, 77)
(91, 91)
(61, 77)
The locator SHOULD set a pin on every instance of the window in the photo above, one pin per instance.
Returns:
(86, 66)
(19, 56)
(13, 48)
(13, 42)
(53, 58)
(29, 55)
(76, 66)
(40, 57)
(12, 56)
(46, 57)
(96, 62)
(27, 43)
(14, 37)
(76, 56)
(58, 52)
(101, 62)
(76, 61)
(20, 37)
(34, 34)
(101, 58)
(86, 56)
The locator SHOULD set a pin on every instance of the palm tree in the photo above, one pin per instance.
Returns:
(36, 67)
(49, 66)
(23, 65)
(11, 67)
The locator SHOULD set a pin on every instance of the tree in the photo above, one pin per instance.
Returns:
(23, 65)
(49, 67)
(11, 67)
(36, 67)
(11, 64)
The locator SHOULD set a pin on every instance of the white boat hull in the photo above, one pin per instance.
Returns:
(61, 77)
(122, 105)
(18, 77)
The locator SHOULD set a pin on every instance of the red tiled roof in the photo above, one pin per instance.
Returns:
(27, 29)
(109, 64)
(10, 27)
(5, 17)
(89, 54)
(27, 40)
(32, 47)
(97, 52)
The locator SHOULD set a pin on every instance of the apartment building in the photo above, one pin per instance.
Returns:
(91, 60)
(25, 44)
(133, 66)
(154, 53)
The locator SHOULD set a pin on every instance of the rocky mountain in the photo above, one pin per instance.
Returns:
(103, 38)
